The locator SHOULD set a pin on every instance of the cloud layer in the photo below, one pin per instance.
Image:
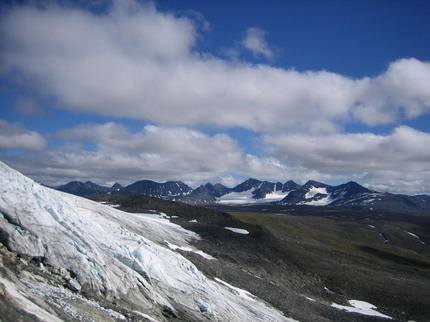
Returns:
(395, 162)
(385, 161)
(136, 62)
(154, 153)
(15, 137)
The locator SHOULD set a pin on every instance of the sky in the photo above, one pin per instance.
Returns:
(218, 91)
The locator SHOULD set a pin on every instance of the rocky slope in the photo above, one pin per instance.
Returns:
(68, 258)
(85, 189)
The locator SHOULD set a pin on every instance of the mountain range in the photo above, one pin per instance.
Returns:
(313, 193)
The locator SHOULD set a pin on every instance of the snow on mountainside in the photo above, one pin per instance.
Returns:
(105, 258)
(352, 195)
(255, 191)
(252, 191)
(315, 193)
(248, 196)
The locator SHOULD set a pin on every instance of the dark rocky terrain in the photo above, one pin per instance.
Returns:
(168, 190)
(302, 259)
(85, 189)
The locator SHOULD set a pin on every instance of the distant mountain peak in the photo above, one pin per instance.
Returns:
(169, 190)
(83, 189)
(315, 184)
(116, 187)
(252, 181)
(247, 185)
(314, 193)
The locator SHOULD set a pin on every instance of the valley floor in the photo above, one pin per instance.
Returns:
(310, 262)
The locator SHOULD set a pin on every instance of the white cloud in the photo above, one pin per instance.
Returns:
(167, 145)
(229, 181)
(255, 42)
(137, 62)
(157, 153)
(188, 154)
(402, 89)
(15, 137)
(397, 162)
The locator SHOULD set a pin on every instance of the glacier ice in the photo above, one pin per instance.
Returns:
(116, 255)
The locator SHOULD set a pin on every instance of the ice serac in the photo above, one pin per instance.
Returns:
(110, 257)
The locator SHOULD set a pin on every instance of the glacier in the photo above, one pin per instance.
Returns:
(104, 257)
(246, 197)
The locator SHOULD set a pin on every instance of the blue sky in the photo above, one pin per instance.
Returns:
(217, 91)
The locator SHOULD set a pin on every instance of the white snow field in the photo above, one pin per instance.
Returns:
(361, 307)
(116, 255)
(321, 202)
(237, 198)
(275, 195)
(238, 230)
(246, 197)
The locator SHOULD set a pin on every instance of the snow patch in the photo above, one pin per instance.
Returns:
(238, 230)
(189, 249)
(413, 235)
(246, 197)
(274, 196)
(320, 202)
(237, 198)
(314, 191)
(361, 307)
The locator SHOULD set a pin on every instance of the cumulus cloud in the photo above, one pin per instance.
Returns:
(401, 91)
(255, 42)
(398, 161)
(170, 153)
(134, 61)
(15, 137)
(157, 153)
